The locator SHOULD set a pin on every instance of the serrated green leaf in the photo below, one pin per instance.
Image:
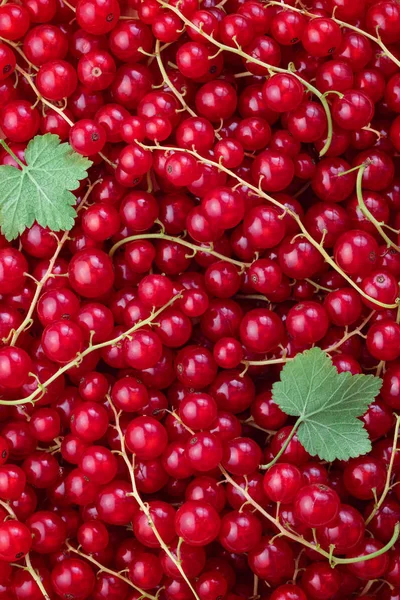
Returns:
(41, 190)
(327, 404)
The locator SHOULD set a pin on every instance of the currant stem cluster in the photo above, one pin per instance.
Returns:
(33, 573)
(36, 395)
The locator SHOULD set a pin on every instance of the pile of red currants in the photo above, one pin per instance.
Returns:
(242, 206)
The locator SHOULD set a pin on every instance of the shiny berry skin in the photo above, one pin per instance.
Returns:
(204, 451)
(356, 252)
(89, 421)
(263, 227)
(62, 341)
(345, 532)
(390, 390)
(73, 578)
(162, 515)
(316, 505)
(146, 437)
(15, 366)
(14, 21)
(343, 306)
(98, 464)
(307, 322)
(283, 92)
(363, 476)
(48, 531)
(367, 569)
(288, 592)
(321, 37)
(198, 410)
(15, 540)
(195, 367)
(90, 273)
(307, 122)
(381, 286)
(273, 170)
(261, 330)
(216, 100)
(353, 111)
(97, 16)
(298, 258)
(145, 571)
(383, 340)
(198, 523)
(320, 582)
(282, 482)
(19, 121)
(87, 137)
(241, 456)
(272, 560)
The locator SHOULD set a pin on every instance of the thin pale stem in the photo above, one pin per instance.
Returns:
(168, 81)
(12, 154)
(371, 37)
(386, 489)
(271, 68)
(367, 213)
(334, 561)
(170, 238)
(27, 559)
(39, 287)
(43, 100)
(143, 506)
(294, 216)
(333, 348)
(109, 571)
(37, 394)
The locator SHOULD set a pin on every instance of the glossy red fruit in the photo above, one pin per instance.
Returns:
(198, 523)
(316, 505)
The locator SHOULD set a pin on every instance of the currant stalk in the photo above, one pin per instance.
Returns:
(104, 569)
(28, 321)
(387, 487)
(333, 561)
(168, 81)
(368, 213)
(371, 37)
(144, 506)
(27, 559)
(38, 393)
(329, 350)
(271, 68)
(260, 192)
(183, 242)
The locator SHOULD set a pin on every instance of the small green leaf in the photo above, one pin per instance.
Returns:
(41, 190)
(327, 404)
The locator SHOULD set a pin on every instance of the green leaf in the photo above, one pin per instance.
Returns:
(327, 404)
(41, 190)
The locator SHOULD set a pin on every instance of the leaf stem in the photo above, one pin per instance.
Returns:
(12, 154)
(284, 445)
